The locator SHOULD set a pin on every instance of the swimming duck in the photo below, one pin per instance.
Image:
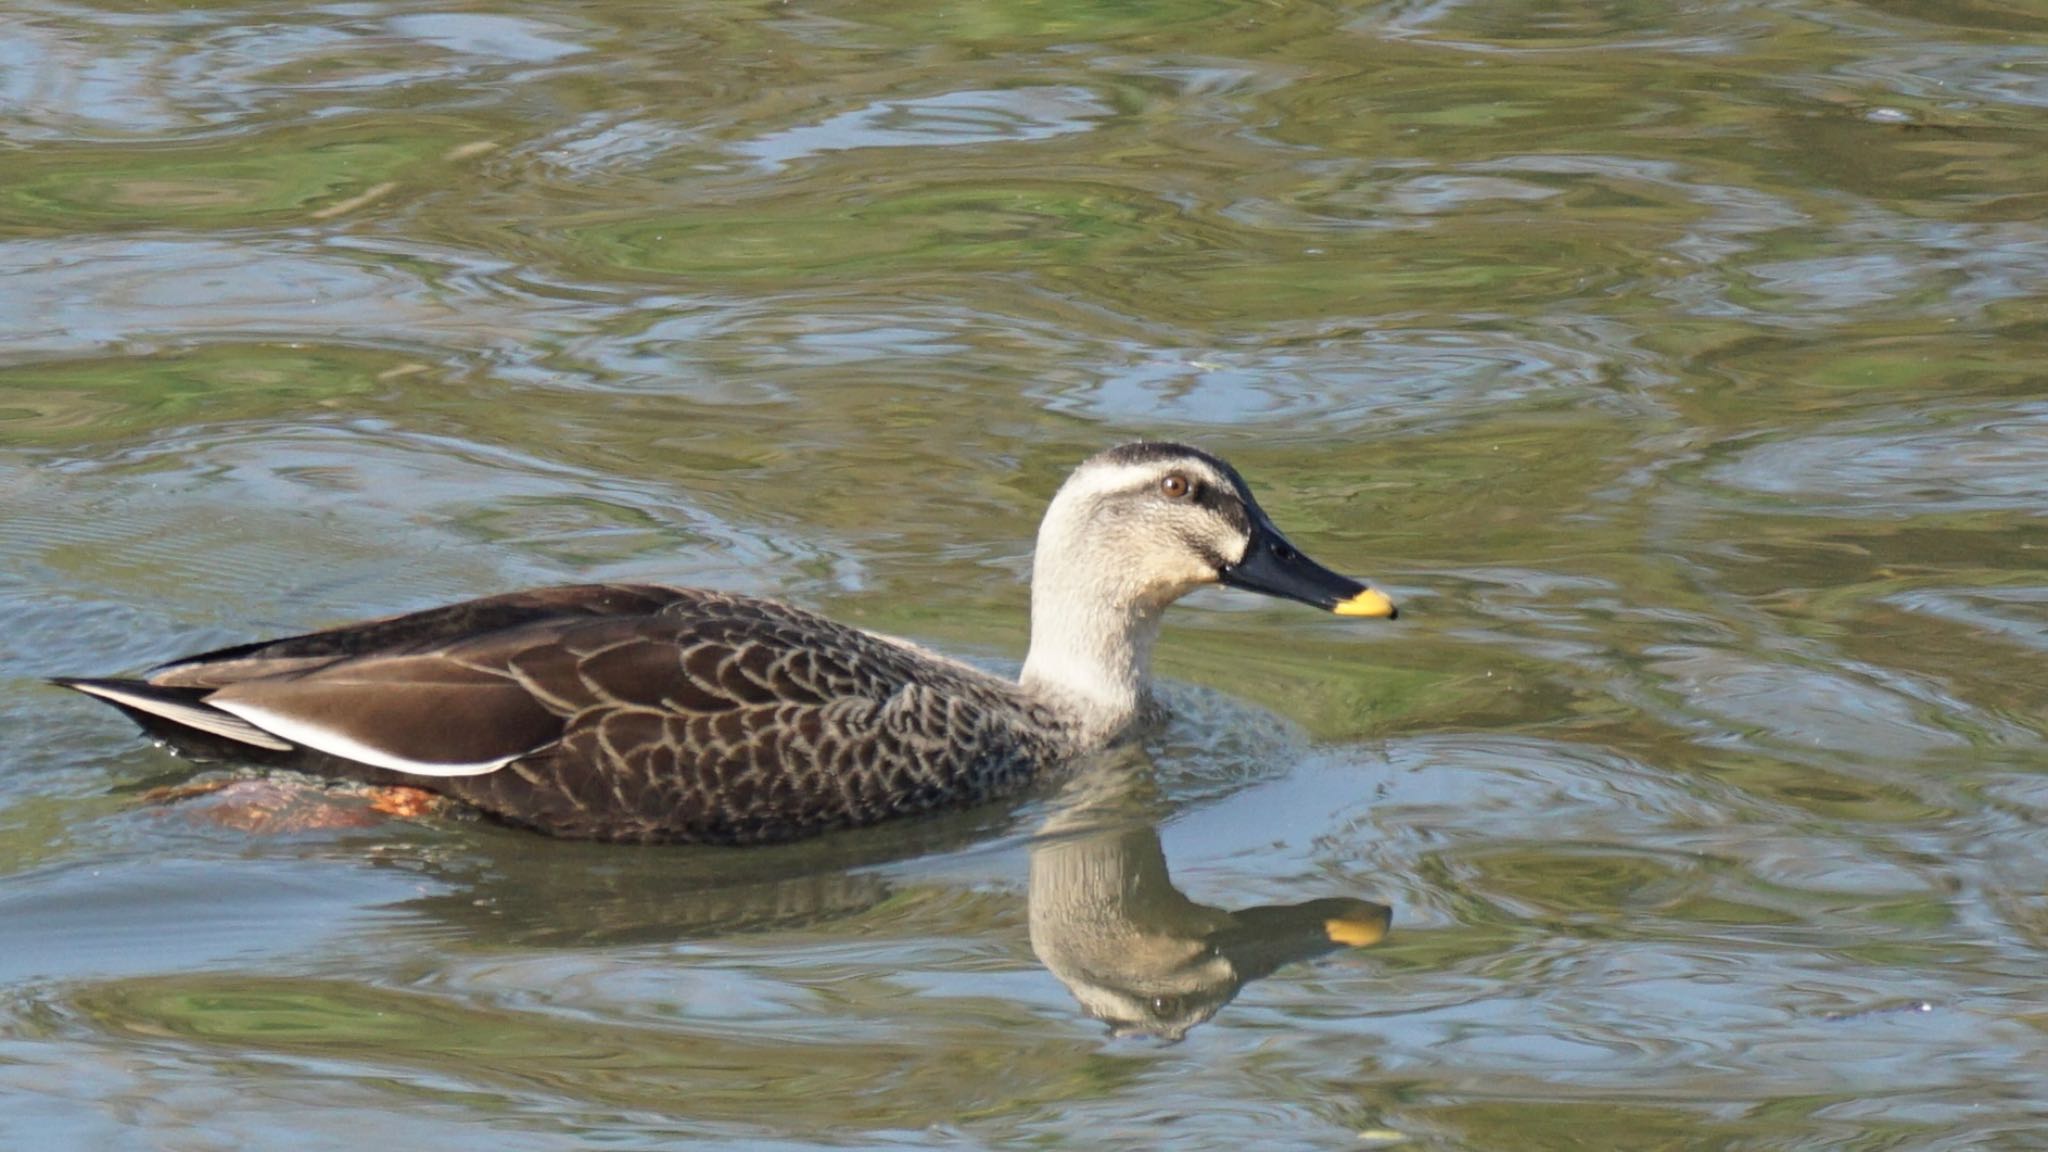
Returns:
(641, 712)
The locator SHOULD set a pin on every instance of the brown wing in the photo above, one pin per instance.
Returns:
(426, 714)
(637, 713)
(470, 705)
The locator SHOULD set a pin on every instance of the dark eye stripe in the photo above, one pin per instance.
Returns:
(1224, 503)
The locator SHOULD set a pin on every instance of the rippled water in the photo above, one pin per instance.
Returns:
(1682, 367)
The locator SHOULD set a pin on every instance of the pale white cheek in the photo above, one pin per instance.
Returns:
(1194, 572)
(1233, 548)
(1166, 554)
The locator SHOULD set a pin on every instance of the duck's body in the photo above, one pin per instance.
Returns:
(616, 711)
(643, 712)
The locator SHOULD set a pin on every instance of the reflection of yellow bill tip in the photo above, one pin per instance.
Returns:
(1371, 602)
(1355, 933)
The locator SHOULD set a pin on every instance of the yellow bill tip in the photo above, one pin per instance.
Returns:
(1355, 933)
(1371, 602)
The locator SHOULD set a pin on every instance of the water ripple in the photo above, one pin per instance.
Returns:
(952, 118)
(1367, 379)
(168, 74)
(1939, 461)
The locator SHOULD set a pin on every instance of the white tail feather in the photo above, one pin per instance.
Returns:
(198, 716)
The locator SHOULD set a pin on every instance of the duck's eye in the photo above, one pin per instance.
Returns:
(1176, 486)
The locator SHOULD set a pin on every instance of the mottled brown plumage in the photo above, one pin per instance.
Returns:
(644, 712)
(641, 712)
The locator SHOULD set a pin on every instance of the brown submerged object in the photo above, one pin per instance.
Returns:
(649, 713)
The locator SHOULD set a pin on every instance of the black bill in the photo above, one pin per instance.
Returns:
(1276, 568)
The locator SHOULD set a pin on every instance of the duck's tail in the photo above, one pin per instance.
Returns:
(173, 714)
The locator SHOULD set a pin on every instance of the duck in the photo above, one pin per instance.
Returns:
(650, 713)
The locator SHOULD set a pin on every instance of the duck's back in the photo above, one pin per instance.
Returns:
(627, 712)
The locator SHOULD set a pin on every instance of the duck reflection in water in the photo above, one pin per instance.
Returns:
(1107, 920)
(1105, 916)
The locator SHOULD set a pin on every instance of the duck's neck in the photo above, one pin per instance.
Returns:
(1091, 646)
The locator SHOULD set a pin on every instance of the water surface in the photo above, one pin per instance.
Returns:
(1680, 367)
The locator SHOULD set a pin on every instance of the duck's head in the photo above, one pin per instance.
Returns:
(1131, 531)
(1146, 523)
